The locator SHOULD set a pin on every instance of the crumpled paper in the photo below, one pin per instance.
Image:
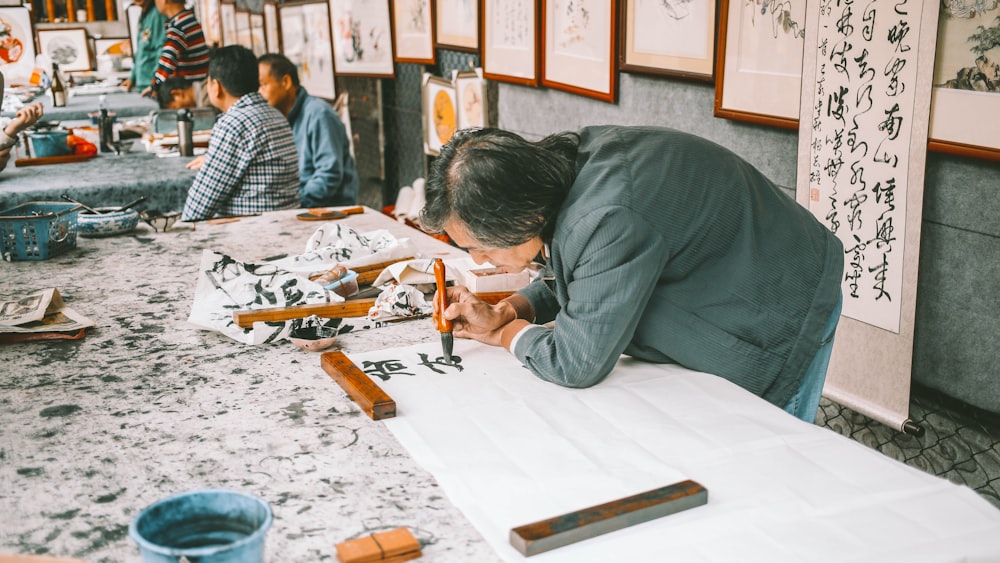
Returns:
(226, 285)
(419, 271)
(399, 300)
(335, 243)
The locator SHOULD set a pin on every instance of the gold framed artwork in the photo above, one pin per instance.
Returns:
(966, 81)
(67, 46)
(439, 112)
(579, 40)
(457, 24)
(17, 45)
(668, 37)
(413, 31)
(470, 98)
(362, 32)
(510, 50)
(758, 73)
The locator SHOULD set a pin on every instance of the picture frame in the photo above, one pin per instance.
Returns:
(456, 24)
(272, 27)
(510, 41)
(440, 117)
(305, 40)
(227, 17)
(758, 70)
(133, 14)
(668, 38)
(17, 54)
(67, 46)
(363, 38)
(413, 31)
(114, 46)
(470, 98)
(243, 27)
(578, 47)
(210, 17)
(258, 40)
(963, 92)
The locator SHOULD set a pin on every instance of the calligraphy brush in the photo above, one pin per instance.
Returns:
(441, 300)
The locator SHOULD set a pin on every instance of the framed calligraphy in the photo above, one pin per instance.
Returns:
(866, 93)
(272, 27)
(470, 98)
(258, 38)
(17, 53)
(362, 32)
(413, 31)
(243, 28)
(966, 80)
(758, 71)
(510, 50)
(439, 112)
(305, 40)
(668, 37)
(227, 15)
(578, 47)
(211, 20)
(457, 24)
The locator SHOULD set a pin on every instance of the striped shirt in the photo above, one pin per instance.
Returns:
(251, 165)
(185, 52)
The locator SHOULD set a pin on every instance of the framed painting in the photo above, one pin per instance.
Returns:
(470, 98)
(758, 73)
(413, 31)
(258, 42)
(132, 15)
(112, 46)
(439, 115)
(305, 40)
(966, 81)
(363, 38)
(272, 27)
(243, 27)
(230, 33)
(457, 24)
(510, 50)
(68, 47)
(211, 20)
(668, 37)
(578, 47)
(17, 48)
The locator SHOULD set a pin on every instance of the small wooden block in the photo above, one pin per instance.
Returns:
(358, 385)
(385, 547)
(244, 318)
(544, 535)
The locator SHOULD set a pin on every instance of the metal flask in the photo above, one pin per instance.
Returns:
(185, 125)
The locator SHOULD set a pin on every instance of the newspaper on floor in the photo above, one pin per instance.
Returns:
(39, 311)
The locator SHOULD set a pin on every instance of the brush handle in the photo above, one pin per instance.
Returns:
(440, 298)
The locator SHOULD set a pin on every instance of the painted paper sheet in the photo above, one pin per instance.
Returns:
(509, 449)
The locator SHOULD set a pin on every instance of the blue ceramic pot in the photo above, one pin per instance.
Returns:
(49, 143)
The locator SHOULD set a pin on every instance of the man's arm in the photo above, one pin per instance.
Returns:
(328, 168)
(220, 177)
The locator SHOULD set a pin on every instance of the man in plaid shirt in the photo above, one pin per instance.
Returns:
(251, 165)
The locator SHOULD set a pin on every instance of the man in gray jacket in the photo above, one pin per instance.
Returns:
(657, 244)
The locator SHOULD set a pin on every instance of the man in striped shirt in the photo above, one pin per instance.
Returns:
(251, 165)
(185, 52)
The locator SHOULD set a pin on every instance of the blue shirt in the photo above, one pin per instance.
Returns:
(326, 167)
(250, 166)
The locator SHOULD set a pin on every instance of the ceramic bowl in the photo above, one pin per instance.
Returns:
(50, 143)
(313, 338)
(110, 222)
(158, 220)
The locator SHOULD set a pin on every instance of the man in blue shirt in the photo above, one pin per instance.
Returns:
(326, 168)
(251, 163)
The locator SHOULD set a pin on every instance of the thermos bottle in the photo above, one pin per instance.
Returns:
(185, 142)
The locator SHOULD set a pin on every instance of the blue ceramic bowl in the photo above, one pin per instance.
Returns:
(50, 143)
(108, 223)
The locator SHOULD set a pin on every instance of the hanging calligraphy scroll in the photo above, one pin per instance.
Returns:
(862, 148)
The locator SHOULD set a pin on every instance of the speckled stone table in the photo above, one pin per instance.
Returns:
(124, 104)
(94, 430)
(106, 179)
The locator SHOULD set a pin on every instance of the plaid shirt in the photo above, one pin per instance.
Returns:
(251, 165)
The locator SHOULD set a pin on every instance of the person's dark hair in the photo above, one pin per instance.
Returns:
(505, 189)
(235, 67)
(280, 66)
(164, 90)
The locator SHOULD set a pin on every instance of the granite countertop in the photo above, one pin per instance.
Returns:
(94, 430)
(106, 179)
